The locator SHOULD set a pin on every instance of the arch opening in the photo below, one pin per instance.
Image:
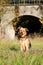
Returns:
(30, 22)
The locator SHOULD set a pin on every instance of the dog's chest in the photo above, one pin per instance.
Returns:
(24, 41)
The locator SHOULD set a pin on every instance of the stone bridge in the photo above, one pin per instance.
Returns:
(31, 10)
(10, 12)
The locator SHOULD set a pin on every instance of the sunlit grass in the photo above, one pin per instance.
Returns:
(10, 53)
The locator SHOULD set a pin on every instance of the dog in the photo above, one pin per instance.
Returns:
(25, 43)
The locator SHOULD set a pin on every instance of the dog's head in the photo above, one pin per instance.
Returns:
(22, 31)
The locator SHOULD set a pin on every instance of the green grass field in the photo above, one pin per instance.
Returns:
(10, 53)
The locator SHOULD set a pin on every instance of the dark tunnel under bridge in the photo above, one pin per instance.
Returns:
(30, 22)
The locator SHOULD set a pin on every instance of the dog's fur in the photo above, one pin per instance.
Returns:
(25, 43)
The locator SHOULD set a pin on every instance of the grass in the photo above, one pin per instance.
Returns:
(10, 53)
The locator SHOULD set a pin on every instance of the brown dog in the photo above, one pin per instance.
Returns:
(25, 43)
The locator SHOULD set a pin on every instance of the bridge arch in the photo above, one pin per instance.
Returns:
(33, 15)
(30, 22)
(30, 10)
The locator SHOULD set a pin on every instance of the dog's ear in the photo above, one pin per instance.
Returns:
(18, 28)
(26, 29)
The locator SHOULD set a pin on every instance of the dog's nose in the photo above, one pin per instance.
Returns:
(21, 33)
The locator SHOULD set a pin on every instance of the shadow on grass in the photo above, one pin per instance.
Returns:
(14, 49)
(36, 51)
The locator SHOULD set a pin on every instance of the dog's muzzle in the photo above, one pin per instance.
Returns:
(21, 34)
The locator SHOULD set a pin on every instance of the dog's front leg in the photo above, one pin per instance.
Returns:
(21, 47)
